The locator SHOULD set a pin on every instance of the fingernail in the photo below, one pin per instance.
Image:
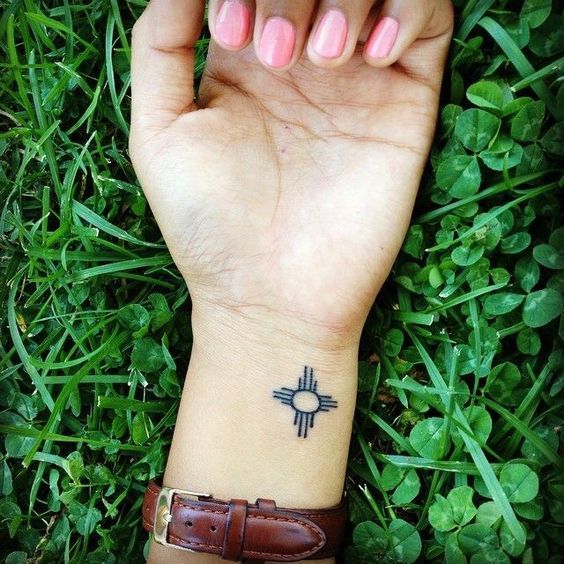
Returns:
(330, 35)
(277, 42)
(232, 23)
(383, 38)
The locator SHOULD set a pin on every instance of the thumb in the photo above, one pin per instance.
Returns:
(162, 66)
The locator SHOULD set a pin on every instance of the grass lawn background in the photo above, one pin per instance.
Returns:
(455, 455)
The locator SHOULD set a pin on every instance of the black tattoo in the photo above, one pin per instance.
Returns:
(305, 401)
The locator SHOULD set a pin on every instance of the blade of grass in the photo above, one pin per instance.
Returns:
(393, 375)
(422, 463)
(375, 474)
(524, 430)
(473, 12)
(483, 194)
(465, 297)
(527, 405)
(30, 432)
(487, 217)
(120, 266)
(554, 67)
(97, 221)
(519, 61)
(109, 402)
(401, 441)
(109, 49)
(60, 28)
(20, 347)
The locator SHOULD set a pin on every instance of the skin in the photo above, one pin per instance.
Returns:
(284, 196)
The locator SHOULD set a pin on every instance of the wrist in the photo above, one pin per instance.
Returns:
(257, 329)
(231, 416)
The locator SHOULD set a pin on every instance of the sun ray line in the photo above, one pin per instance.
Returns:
(306, 425)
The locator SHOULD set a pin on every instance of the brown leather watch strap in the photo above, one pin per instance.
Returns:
(237, 530)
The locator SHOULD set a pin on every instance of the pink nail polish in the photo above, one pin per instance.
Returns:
(277, 42)
(383, 38)
(330, 35)
(232, 23)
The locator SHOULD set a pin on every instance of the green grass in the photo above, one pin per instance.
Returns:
(455, 455)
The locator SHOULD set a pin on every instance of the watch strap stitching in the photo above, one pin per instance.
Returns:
(184, 542)
(197, 508)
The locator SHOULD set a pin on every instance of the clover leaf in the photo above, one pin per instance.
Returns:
(541, 307)
(519, 481)
(476, 128)
(428, 436)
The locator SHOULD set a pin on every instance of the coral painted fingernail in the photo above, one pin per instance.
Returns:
(330, 35)
(233, 23)
(383, 38)
(277, 42)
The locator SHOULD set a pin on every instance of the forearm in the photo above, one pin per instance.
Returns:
(233, 438)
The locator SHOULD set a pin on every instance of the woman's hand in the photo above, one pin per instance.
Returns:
(284, 194)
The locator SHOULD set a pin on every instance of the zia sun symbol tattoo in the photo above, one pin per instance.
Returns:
(306, 401)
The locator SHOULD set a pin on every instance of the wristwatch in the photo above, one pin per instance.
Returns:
(239, 531)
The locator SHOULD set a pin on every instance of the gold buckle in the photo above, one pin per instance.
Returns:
(163, 513)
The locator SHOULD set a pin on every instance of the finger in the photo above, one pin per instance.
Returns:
(162, 68)
(281, 29)
(336, 31)
(231, 22)
(401, 23)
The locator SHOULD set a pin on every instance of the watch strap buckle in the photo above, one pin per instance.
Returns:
(163, 512)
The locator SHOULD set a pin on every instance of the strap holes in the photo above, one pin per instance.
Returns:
(213, 528)
(188, 523)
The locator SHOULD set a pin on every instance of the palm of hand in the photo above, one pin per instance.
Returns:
(292, 191)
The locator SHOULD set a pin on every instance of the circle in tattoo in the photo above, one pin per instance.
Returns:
(306, 401)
